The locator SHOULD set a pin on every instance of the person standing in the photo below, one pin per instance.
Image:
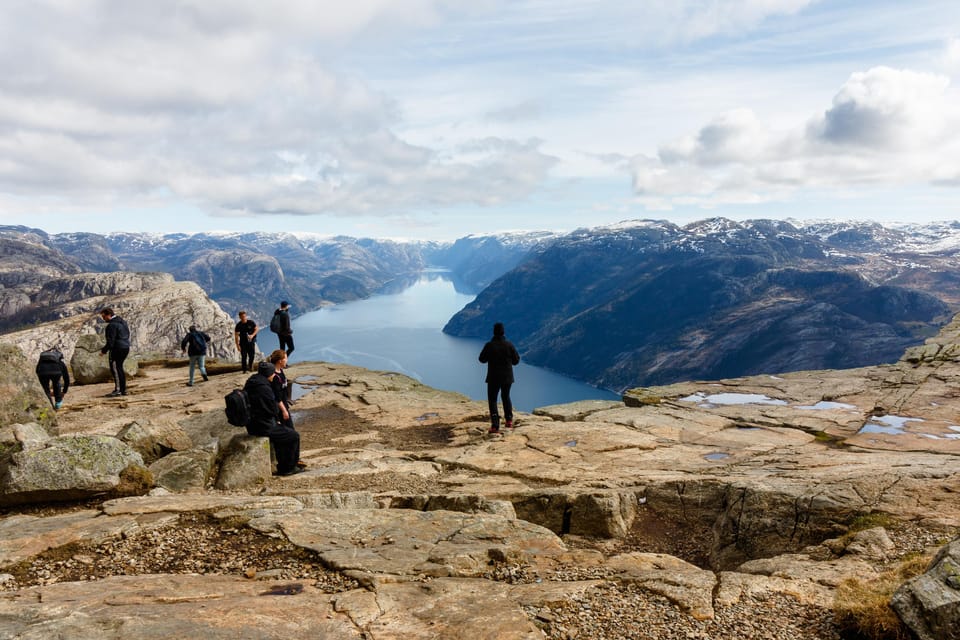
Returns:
(51, 369)
(117, 334)
(245, 335)
(280, 325)
(264, 413)
(500, 356)
(194, 344)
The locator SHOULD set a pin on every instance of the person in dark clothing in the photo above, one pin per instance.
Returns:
(283, 330)
(500, 356)
(195, 344)
(117, 334)
(245, 335)
(281, 388)
(264, 411)
(51, 369)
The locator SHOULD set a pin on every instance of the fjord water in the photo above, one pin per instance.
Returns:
(399, 330)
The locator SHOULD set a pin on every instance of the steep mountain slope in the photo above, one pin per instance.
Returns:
(652, 303)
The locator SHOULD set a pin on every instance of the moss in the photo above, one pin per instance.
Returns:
(871, 521)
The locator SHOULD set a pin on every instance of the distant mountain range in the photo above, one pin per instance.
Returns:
(638, 303)
(650, 302)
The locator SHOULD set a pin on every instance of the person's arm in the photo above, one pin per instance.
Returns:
(110, 333)
(183, 343)
(514, 356)
(256, 330)
(484, 353)
(66, 376)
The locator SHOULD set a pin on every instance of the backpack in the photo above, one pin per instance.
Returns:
(51, 356)
(237, 408)
(198, 341)
(276, 324)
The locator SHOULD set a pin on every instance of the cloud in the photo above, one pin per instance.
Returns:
(885, 127)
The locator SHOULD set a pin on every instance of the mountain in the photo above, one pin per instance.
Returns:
(479, 260)
(649, 302)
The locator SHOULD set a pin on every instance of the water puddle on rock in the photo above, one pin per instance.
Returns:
(715, 399)
(824, 405)
(717, 455)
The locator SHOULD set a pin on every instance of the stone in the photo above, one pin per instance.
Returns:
(22, 399)
(184, 471)
(67, 468)
(155, 439)
(690, 587)
(245, 463)
(89, 366)
(930, 603)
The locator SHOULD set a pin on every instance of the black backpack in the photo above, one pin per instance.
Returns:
(51, 356)
(276, 324)
(238, 408)
(198, 341)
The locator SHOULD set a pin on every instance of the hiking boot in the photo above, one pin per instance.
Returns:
(291, 472)
(494, 430)
(509, 424)
(189, 384)
(205, 378)
(58, 404)
(115, 393)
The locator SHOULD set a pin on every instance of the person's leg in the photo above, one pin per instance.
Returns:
(47, 383)
(57, 390)
(492, 390)
(286, 444)
(247, 354)
(507, 404)
(202, 361)
(120, 377)
(193, 365)
(287, 343)
(113, 372)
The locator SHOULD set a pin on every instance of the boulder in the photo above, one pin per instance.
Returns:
(184, 471)
(930, 603)
(89, 366)
(71, 468)
(155, 439)
(22, 399)
(246, 463)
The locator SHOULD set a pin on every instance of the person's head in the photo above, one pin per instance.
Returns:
(498, 329)
(284, 305)
(193, 328)
(278, 357)
(266, 369)
(243, 316)
(106, 313)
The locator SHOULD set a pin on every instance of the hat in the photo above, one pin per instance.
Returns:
(266, 369)
(284, 303)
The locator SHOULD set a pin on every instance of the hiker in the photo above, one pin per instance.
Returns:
(245, 335)
(264, 411)
(195, 344)
(281, 389)
(117, 334)
(51, 369)
(280, 325)
(500, 356)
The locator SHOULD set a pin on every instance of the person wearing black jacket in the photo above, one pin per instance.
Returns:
(264, 414)
(500, 356)
(281, 326)
(117, 334)
(51, 369)
(195, 344)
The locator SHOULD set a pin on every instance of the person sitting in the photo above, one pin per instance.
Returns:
(264, 420)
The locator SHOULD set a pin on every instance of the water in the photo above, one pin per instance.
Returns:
(400, 330)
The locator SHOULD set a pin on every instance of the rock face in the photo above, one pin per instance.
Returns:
(654, 303)
(158, 310)
(930, 604)
(89, 366)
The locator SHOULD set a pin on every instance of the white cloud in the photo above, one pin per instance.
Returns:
(884, 127)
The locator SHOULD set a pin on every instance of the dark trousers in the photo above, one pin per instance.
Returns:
(286, 342)
(286, 444)
(503, 390)
(51, 386)
(117, 356)
(248, 352)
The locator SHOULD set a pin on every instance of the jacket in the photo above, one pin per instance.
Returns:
(263, 405)
(190, 344)
(54, 368)
(117, 334)
(500, 356)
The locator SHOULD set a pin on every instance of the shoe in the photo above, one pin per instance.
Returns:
(291, 472)
(115, 393)
(494, 430)
(301, 464)
(205, 378)
(189, 384)
(509, 424)
(58, 405)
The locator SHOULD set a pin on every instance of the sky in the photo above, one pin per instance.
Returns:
(435, 119)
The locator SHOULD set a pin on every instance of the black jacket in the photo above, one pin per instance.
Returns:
(263, 405)
(190, 344)
(53, 368)
(500, 356)
(117, 334)
(285, 329)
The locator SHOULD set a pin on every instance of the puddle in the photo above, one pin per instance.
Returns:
(732, 398)
(427, 416)
(823, 405)
(717, 455)
(570, 443)
(297, 391)
(889, 425)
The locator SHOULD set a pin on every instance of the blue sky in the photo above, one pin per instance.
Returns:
(435, 119)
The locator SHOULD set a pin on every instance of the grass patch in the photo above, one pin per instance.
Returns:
(862, 606)
(872, 521)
